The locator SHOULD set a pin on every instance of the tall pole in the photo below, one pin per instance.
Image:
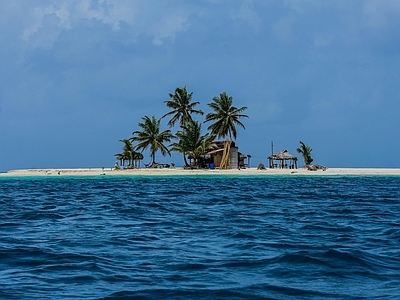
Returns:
(271, 161)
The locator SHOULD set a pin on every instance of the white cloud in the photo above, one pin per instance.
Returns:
(39, 19)
(161, 21)
(47, 33)
(169, 27)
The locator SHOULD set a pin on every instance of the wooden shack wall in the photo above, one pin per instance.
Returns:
(217, 159)
(234, 158)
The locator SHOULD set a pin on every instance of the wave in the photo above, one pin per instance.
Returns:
(204, 238)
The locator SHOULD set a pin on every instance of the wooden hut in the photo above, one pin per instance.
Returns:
(236, 159)
(282, 160)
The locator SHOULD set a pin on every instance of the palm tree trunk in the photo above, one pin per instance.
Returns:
(185, 160)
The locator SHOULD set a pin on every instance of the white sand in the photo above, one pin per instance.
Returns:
(180, 171)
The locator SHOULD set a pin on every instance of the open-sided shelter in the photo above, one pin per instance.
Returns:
(282, 160)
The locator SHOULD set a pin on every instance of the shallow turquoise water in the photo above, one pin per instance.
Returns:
(200, 237)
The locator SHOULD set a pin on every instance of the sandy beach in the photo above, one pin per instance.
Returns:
(181, 171)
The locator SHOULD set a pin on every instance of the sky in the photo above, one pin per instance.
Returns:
(76, 76)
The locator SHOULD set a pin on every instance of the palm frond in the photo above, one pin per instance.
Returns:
(181, 107)
(151, 138)
(225, 116)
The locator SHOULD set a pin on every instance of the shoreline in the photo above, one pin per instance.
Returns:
(183, 172)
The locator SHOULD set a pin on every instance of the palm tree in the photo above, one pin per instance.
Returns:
(305, 151)
(137, 157)
(191, 142)
(129, 154)
(181, 107)
(225, 117)
(127, 150)
(150, 136)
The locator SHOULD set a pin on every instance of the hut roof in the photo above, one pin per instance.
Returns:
(242, 156)
(136, 156)
(282, 155)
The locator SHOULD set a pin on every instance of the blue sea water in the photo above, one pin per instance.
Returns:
(202, 237)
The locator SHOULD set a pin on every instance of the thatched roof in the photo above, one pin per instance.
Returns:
(282, 155)
(203, 156)
(119, 156)
(136, 156)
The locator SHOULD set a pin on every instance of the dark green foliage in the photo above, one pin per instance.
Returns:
(128, 153)
(191, 142)
(151, 137)
(305, 151)
(181, 107)
(225, 116)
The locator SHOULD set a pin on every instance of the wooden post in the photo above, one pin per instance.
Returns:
(225, 156)
(272, 147)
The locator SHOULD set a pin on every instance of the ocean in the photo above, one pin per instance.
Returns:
(200, 237)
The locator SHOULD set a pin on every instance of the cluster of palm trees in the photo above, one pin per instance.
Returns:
(188, 140)
(129, 154)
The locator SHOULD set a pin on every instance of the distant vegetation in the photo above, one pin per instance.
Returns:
(152, 137)
(305, 151)
(188, 140)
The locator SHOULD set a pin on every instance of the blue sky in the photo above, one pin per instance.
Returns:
(78, 75)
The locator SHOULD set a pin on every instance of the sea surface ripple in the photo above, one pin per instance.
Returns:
(200, 237)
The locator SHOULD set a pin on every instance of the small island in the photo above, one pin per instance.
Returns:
(212, 153)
